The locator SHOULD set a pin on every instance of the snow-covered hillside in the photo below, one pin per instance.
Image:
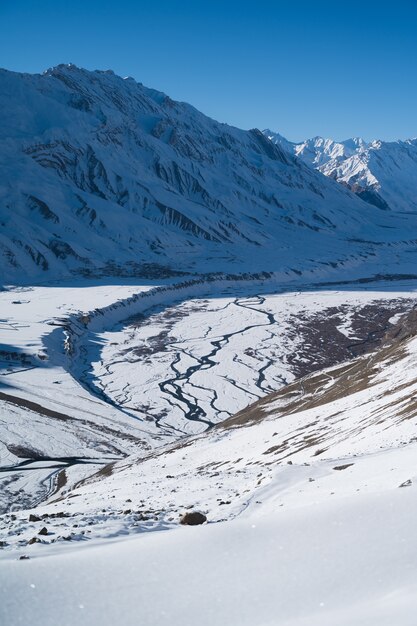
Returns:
(309, 495)
(100, 173)
(380, 172)
(194, 319)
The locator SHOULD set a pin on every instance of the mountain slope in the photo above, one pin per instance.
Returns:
(317, 483)
(380, 172)
(101, 172)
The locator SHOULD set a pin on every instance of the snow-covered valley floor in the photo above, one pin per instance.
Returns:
(122, 406)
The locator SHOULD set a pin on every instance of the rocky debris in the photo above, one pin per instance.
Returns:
(34, 518)
(193, 518)
(33, 540)
(343, 467)
(24, 557)
(407, 483)
(59, 514)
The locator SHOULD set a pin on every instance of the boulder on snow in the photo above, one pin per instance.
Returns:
(33, 540)
(407, 483)
(193, 518)
(34, 518)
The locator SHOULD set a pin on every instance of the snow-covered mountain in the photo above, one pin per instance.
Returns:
(278, 406)
(380, 172)
(101, 172)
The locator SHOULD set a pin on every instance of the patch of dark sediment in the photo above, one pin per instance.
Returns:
(330, 385)
(325, 339)
(321, 342)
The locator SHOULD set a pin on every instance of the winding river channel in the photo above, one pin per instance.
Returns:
(188, 365)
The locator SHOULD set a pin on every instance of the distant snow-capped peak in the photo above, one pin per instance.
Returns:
(382, 173)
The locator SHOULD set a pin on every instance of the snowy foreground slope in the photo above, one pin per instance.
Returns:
(315, 566)
(383, 173)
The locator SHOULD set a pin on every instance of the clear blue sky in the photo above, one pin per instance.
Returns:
(331, 68)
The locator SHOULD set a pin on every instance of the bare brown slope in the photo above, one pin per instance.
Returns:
(332, 384)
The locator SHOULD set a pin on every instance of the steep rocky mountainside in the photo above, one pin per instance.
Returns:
(382, 173)
(102, 174)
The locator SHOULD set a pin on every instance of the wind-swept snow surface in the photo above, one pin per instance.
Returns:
(346, 561)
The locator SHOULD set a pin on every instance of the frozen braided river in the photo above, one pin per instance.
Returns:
(192, 364)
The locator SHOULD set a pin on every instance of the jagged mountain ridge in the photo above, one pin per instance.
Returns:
(102, 172)
(383, 173)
